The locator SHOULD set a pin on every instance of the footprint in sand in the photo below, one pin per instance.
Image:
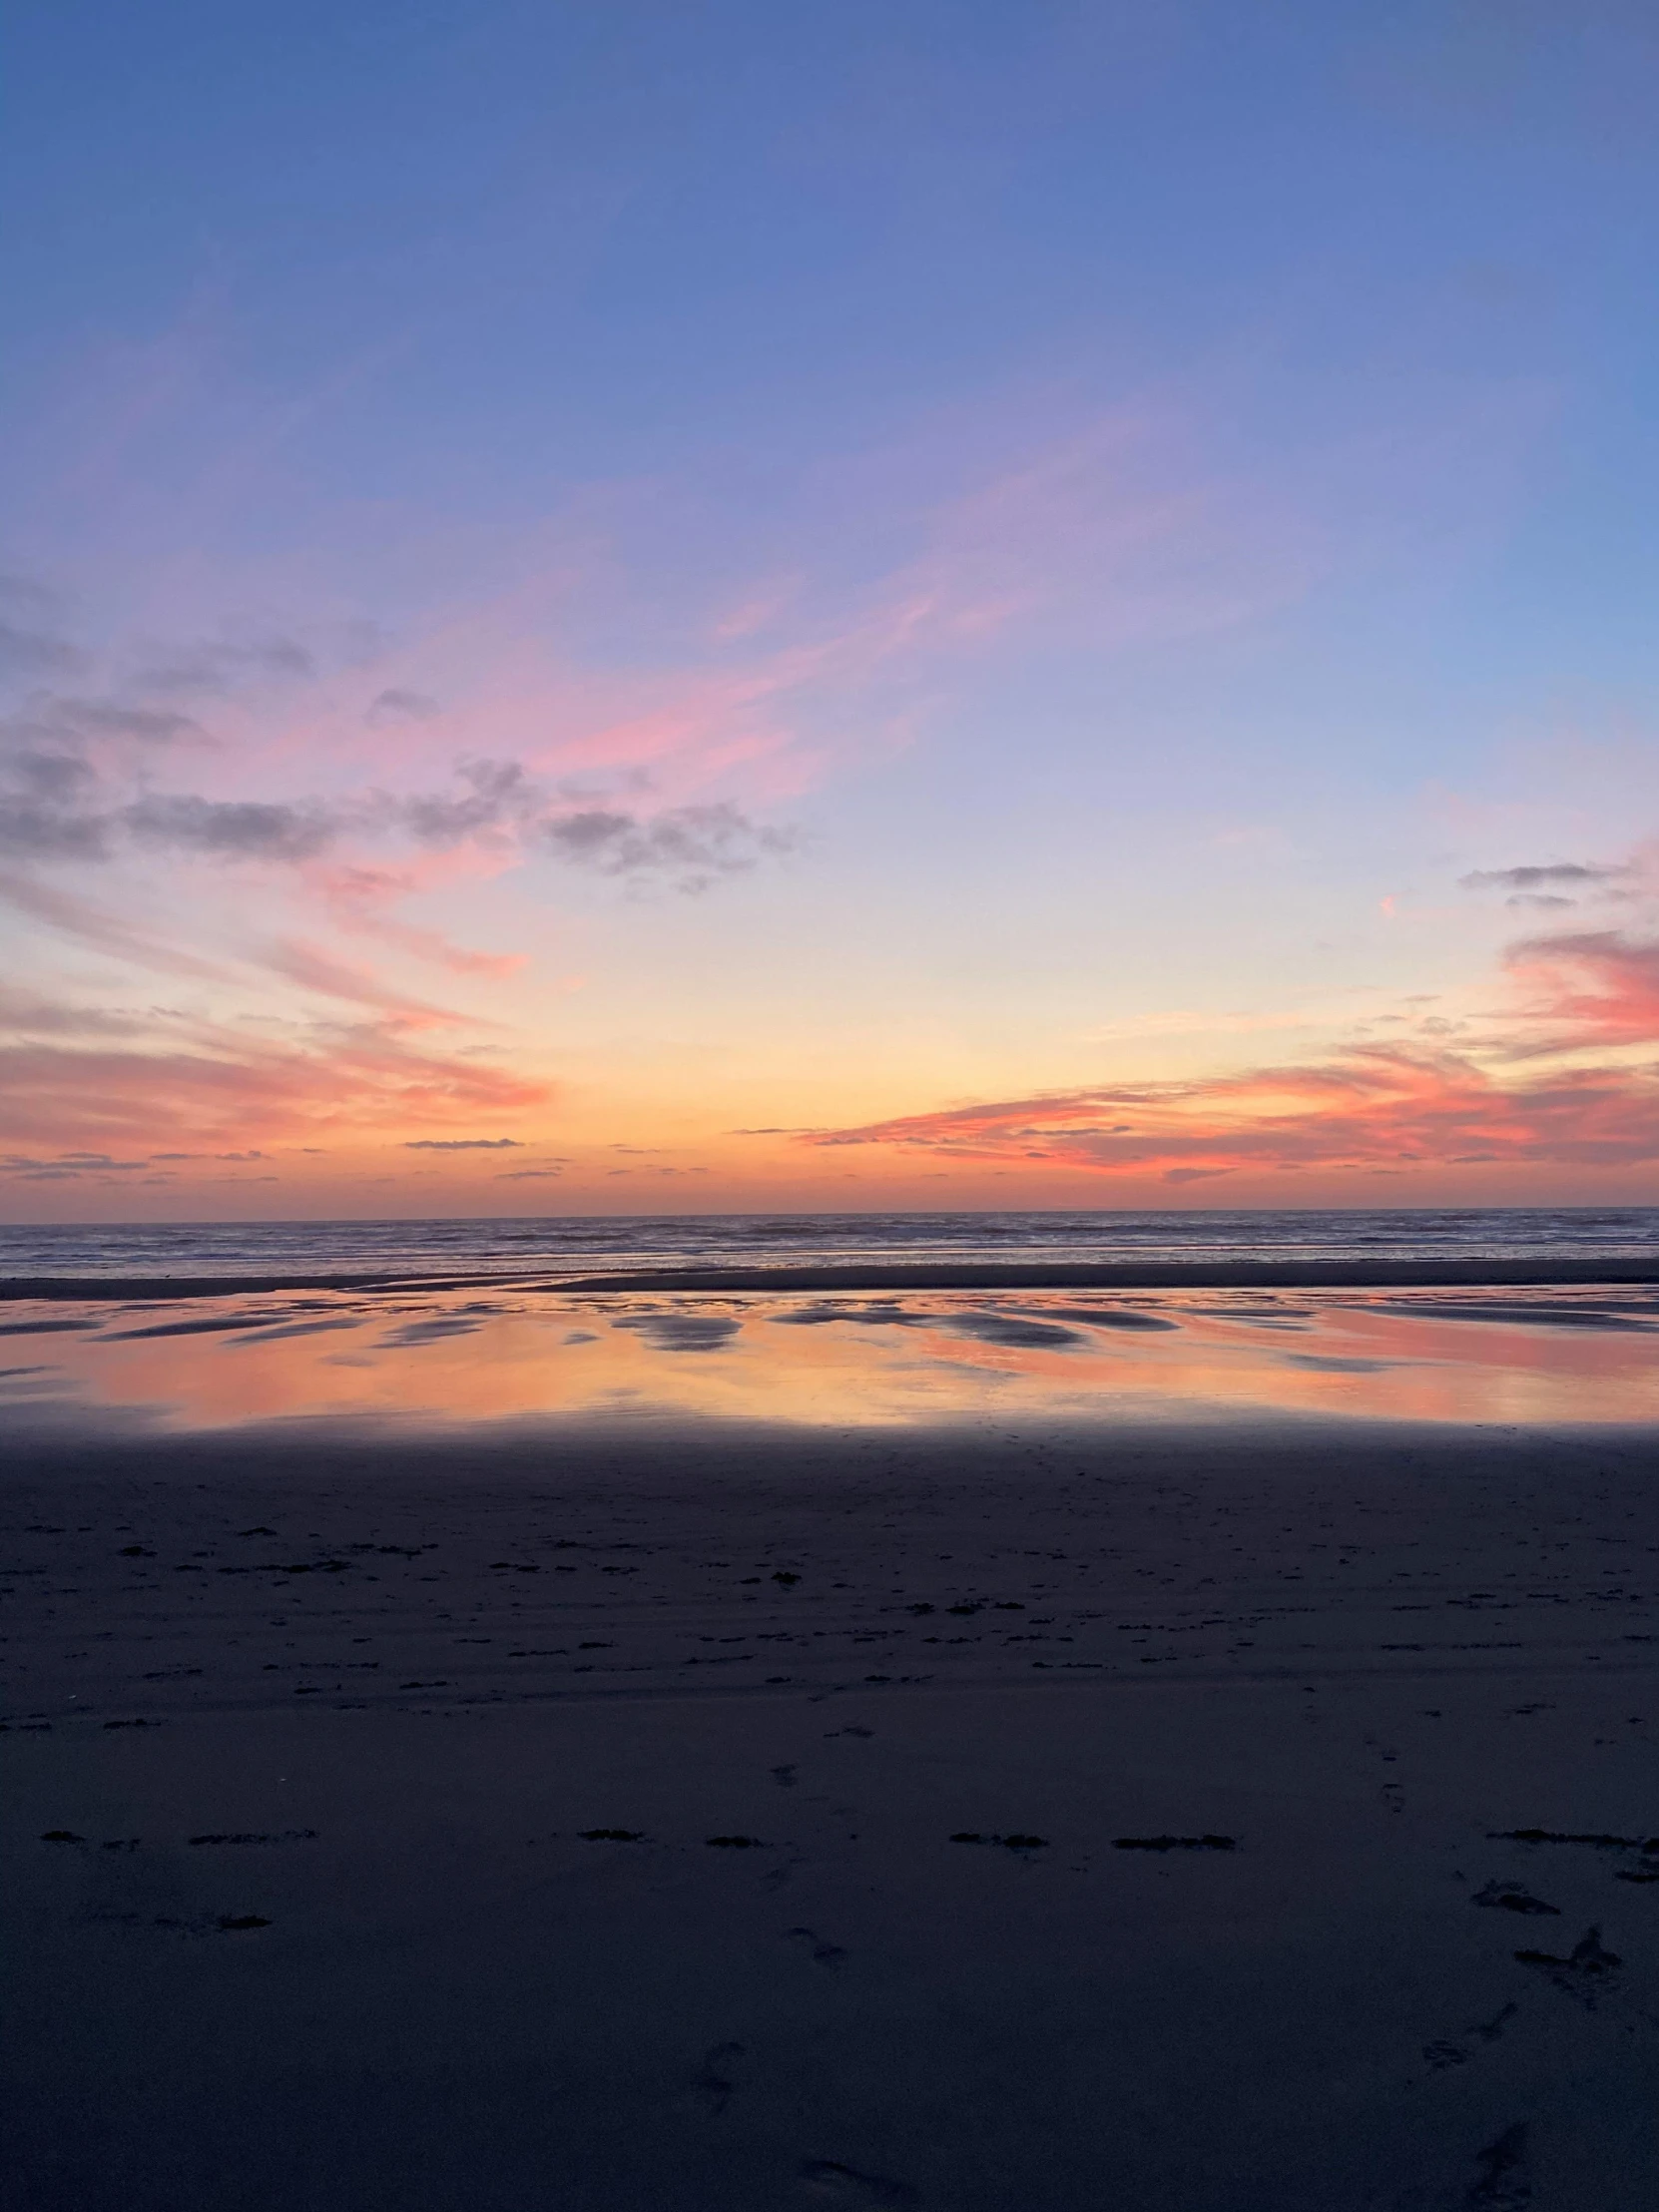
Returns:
(826, 2182)
(1586, 1969)
(1442, 2055)
(712, 2085)
(822, 1953)
(1502, 2185)
(1510, 1896)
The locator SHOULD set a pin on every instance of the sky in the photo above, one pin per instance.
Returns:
(653, 608)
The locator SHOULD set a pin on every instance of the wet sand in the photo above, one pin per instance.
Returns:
(1242, 1818)
(868, 1274)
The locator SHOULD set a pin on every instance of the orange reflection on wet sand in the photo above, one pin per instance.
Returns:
(447, 1358)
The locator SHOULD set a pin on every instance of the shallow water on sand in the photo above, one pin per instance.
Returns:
(398, 1361)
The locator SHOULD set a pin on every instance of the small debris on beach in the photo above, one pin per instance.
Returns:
(1175, 1843)
(1557, 1836)
(1508, 1898)
(1586, 1962)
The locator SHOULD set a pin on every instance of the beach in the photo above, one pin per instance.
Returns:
(828, 1109)
(1198, 1805)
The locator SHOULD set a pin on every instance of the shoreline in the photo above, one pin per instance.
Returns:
(990, 1275)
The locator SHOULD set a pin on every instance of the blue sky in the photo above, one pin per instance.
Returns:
(1013, 549)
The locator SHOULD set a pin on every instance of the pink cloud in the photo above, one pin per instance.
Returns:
(1593, 987)
(1365, 1110)
(212, 1092)
(1369, 1108)
(316, 970)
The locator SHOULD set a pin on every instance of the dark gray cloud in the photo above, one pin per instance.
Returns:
(222, 666)
(31, 828)
(65, 1166)
(102, 718)
(397, 705)
(464, 1144)
(43, 810)
(1553, 877)
(50, 790)
(690, 846)
(237, 829)
(494, 793)
(53, 719)
(53, 777)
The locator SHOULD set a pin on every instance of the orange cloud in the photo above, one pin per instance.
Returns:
(1365, 1110)
(1369, 1108)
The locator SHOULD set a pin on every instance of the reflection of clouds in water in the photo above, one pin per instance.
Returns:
(1012, 1329)
(1288, 1319)
(681, 1332)
(867, 1316)
(1324, 1363)
(1032, 1326)
(1584, 1315)
(296, 1329)
(198, 1326)
(426, 1331)
(1115, 1317)
(988, 1378)
(1085, 1357)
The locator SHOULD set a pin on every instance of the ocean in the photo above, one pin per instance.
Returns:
(577, 1244)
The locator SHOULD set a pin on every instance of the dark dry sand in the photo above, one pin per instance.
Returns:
(567, 1822)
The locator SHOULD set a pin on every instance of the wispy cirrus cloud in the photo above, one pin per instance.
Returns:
(218, 1092)
(319, 972)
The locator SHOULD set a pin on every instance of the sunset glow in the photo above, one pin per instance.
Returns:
(640, 634)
